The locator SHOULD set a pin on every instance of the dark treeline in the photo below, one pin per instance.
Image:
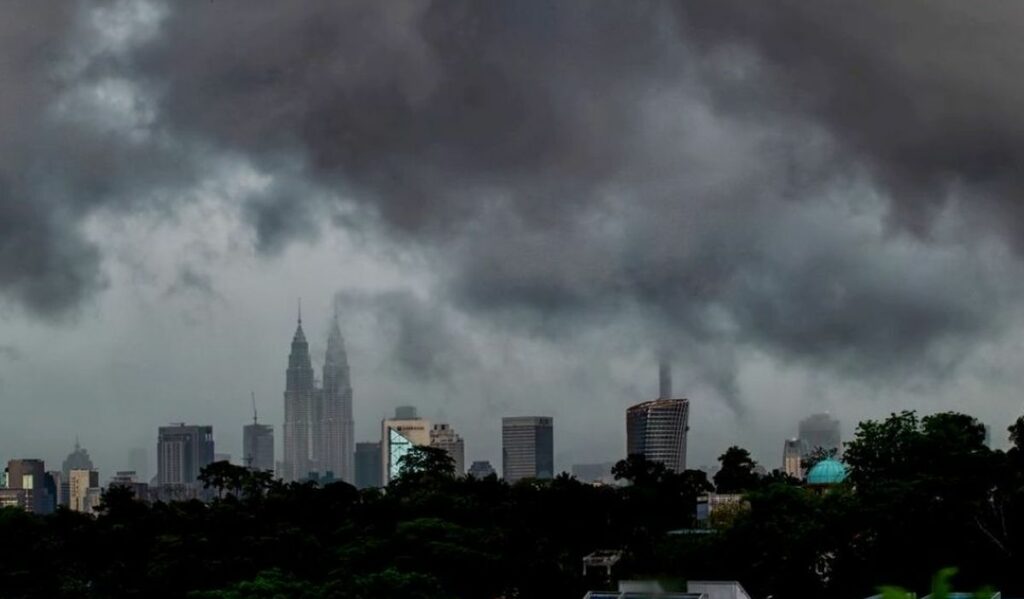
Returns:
(922, 494)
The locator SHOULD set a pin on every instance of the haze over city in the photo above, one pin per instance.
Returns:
(515, 209)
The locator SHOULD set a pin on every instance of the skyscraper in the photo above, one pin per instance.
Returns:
(129, 479)
(657, 429)
(792, 454)
(299, 409)
(397, 437)
(368, 468)
(83, 488)
(527, 448)
(61, 490)
(318, 425)
(258, 447)
(443, 436)
(28, 486)
(336, 425)
(77, 459)
(182, 451)
(257, 443)
(820, 431)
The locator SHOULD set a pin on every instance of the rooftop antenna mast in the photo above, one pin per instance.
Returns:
(249, 458)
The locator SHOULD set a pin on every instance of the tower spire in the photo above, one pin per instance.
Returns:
(253, 394)
(300, 311)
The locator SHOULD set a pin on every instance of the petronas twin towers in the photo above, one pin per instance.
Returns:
(318, 427)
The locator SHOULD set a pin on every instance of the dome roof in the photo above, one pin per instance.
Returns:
(827, 472)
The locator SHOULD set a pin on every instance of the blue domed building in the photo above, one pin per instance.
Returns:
(826, 473)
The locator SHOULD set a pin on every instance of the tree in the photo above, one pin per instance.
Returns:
(638, 470)
(224, 476)
(885, 450)
(271, 584)
(737, 473)
(1017, 433)
(423, 462)
(816, 455)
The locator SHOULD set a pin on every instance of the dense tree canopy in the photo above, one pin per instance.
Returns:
(922, 494)
(737, 472)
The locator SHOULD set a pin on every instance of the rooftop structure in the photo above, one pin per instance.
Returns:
(650, 589)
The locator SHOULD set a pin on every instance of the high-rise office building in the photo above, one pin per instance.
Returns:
(792, 456)
(60, 487)
(299, 409)
(481, 469)
(130, 479)
(397, 437)
(368, 468)
(820, 431)
(336, 424)
(657, 429)
(80, 483)
(258, 446)
(182, 451)
(527, 448)
(78, 459)
(443, 436)
(29, 487)
(318, 424)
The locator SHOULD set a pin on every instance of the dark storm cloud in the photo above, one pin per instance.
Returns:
(926, 94)
(45, 265)
(712, 172)
(69, 150)
(420, 337)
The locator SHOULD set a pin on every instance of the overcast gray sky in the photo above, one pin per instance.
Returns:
(814, 206)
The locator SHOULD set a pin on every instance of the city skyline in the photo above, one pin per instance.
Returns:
(809, 425)
(719, 290)
(519, 222)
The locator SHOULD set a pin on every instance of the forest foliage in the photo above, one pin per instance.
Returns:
(922, 494)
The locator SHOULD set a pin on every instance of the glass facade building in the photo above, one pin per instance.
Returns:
(657, 430)
(397, 437)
